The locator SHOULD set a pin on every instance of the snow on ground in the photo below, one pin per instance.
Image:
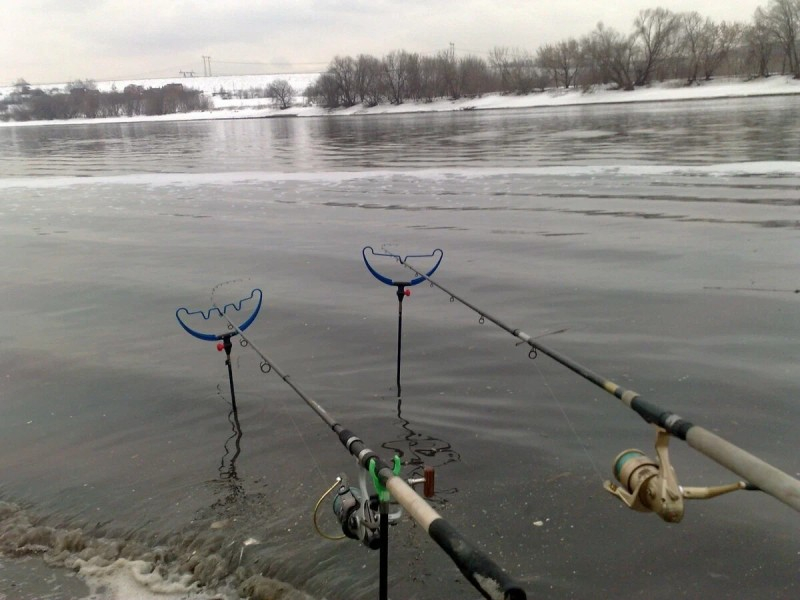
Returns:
(235, 108)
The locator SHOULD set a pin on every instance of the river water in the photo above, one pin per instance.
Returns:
(656, 244)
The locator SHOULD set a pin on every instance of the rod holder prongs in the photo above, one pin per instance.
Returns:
(649, 485)
(436, 255)
(213, 317)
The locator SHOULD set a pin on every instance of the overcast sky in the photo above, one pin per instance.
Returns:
(49, 41)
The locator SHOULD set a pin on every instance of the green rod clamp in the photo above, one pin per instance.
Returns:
(383, 493)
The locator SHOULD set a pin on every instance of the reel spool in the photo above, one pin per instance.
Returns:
(358, 516)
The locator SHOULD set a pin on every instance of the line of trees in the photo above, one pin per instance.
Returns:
(662, 45)
(83, 99)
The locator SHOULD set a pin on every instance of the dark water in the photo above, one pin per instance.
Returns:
(671, 270)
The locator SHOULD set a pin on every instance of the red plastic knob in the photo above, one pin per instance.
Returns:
(407, 292)
(220, 347)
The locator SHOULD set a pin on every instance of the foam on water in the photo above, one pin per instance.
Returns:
(114, 568)
(136, 580)
(743, 169)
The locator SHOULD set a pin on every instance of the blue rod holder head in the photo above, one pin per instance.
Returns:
(182, 313)
(401, 259)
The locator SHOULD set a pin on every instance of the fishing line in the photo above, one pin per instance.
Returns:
(583, 445)
(285, 410)
(757, 473)
(224, 283)
(265, 368)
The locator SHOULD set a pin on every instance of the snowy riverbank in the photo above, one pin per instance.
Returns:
(259, 108)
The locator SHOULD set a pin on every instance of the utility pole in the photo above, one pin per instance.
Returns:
(206, 66)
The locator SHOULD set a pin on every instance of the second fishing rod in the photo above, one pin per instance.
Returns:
(648, 484)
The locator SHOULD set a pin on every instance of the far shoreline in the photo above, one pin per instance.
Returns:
(667, 92)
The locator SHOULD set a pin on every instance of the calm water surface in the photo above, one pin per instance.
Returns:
(669, 270)
(672, 133)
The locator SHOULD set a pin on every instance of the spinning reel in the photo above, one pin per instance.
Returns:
(358, 512)
(649, 485)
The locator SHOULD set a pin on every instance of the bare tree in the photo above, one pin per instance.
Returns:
(447, 75)
(448, 70)
(343, 71)
(525, 73)
(568, 53)
(474, 76)
(414, 76)
(85, 103)
(612, 55)
(561, 60)
(718, 40)
(281, 92)
(692, 31)
(133, 99)
(500, 63)
(760, 43)
(325, 91)
(516, 70)
(369, 87)
(783, 17)
(112, 104)
(547, 59)
(431, 82)
(397, 68)
(655, 32)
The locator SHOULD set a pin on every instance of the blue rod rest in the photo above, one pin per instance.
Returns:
(402, 260)
(215, 310)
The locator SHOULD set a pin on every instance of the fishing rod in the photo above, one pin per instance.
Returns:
(649, 485)
(402, 290)
(357, 514)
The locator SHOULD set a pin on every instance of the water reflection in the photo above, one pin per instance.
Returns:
(707, 132)
(227, 465)
(419, 450)
(231, 487)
